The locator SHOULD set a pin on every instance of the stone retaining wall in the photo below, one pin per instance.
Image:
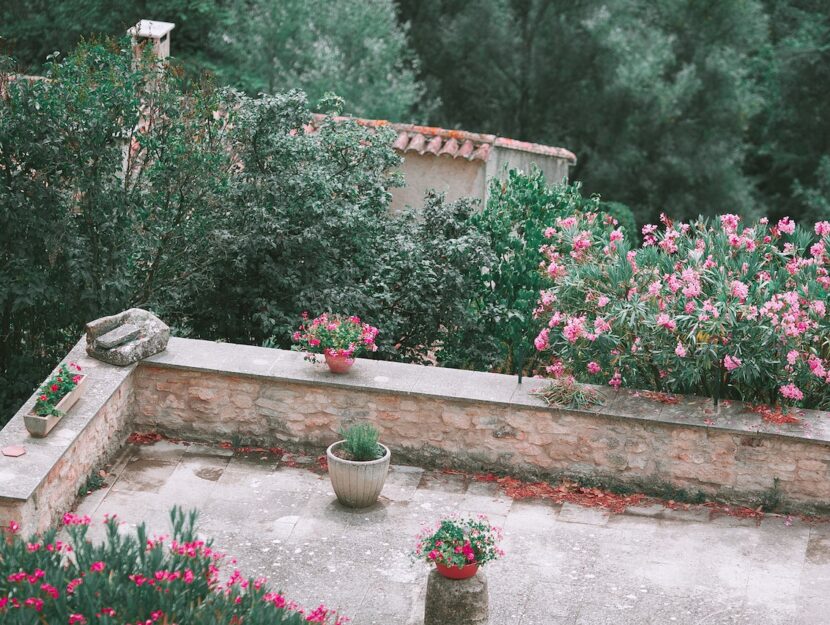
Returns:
(470, 420)
(426, 415)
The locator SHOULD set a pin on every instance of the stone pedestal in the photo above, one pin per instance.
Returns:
(457, 601)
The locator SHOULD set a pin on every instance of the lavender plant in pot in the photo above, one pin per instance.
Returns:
(358, 465)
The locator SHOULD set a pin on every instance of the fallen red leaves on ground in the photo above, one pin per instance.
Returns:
(144, 438)
(741, 512)
(663, 398)
(775, 415)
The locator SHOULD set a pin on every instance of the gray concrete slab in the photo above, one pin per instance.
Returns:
(565, 564)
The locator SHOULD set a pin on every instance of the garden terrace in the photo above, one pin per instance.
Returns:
(275, 511)
(432, 417)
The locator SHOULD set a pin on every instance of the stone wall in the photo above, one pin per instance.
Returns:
(487, 421)
(436, 417)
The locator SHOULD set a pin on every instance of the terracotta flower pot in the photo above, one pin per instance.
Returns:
(457, 572)
(339, 364)
(39, 426)
(357, 484)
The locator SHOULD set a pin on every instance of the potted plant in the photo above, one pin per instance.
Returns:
(55, 398)
(458, 546)
(337, 337)
(358, 465)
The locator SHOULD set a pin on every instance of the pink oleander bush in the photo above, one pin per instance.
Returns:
(714, 308)
(335, 335)
(133, 580)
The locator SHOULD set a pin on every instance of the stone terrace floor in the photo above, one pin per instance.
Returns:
(565, 564)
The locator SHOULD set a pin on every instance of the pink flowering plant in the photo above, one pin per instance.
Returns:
(335, 335)
(459, 541)
(56, 388)
(714, 308)
(134, 579)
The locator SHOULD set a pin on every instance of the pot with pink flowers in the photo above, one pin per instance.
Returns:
(339, 338)
(458, 546)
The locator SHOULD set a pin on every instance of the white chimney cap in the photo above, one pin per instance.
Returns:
(151, 29)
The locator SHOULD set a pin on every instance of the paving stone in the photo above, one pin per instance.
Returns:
(572, 513)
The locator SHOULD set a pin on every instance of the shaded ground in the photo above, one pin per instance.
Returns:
(565, 564)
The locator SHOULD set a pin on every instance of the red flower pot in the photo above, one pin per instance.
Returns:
(457, 572)
(339, 364)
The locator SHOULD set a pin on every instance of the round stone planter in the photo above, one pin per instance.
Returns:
(357, 484)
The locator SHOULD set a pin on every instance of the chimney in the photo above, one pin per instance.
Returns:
(149, 32)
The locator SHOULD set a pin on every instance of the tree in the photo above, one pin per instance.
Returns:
(791, 136)
(355, 49)
(654, 97)
(113, 179)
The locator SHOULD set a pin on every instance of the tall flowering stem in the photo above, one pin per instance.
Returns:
(713, 308)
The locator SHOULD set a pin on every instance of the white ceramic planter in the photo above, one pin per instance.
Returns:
(357, 484)
(41, 426)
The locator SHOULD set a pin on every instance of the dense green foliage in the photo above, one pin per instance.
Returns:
(505, 288)
(684, 106)
(681, 106)
(227, 215)
(356, 49)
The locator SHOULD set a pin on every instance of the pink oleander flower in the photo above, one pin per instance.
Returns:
(729, 222)
(616, 380)
(786, 225)
(601, 326)
(739, 290)
(616, 235)
(680, 350)
(731, 362)
(574, 329)
(602, 301)
(594, 368)
(541, 341)
(97, 567)
(791, 391)
(792, 356)
(823, 228)
(664, 321)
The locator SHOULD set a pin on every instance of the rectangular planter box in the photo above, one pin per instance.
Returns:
(41, 426)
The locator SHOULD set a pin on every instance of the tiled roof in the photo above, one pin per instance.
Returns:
(472, 146)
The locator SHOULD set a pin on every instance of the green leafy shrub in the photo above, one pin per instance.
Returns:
(707, 308)
(506, 289)
(132, 578)
(360, 441)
